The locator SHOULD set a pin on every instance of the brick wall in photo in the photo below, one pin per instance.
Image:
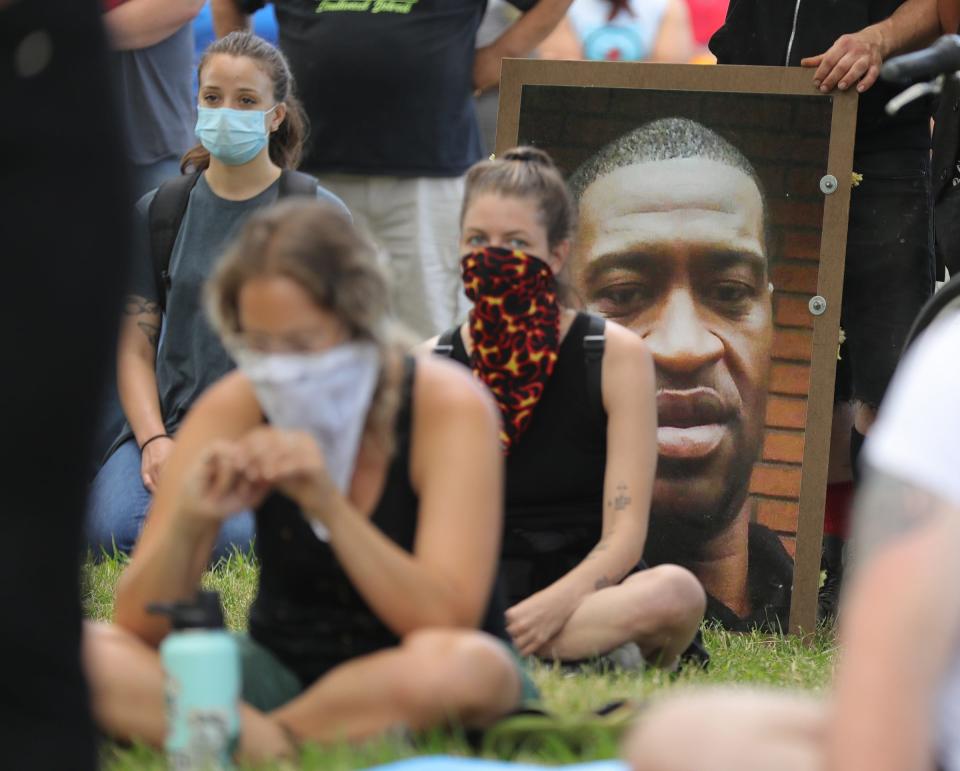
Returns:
(787, 140)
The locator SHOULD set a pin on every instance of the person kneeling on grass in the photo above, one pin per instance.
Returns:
(376, 480)
(576, 395)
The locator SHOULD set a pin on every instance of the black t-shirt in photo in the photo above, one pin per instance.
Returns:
(387, 84)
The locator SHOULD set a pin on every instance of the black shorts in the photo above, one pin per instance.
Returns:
(889, 272)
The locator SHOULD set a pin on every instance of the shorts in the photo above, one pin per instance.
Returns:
(268, 683)
(889, 272)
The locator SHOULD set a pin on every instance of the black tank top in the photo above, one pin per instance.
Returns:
(307, 612)
(554, 484)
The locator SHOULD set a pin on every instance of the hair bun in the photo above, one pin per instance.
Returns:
(527, 154)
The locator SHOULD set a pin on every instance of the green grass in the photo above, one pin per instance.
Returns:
(736, 658)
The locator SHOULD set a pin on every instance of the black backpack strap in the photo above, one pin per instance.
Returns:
(594, 343)
(444, 346)
(166, 212)
(296, 183)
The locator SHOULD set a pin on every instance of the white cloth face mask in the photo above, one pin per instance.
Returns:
(326, 394)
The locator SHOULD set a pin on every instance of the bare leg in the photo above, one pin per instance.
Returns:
(433, 677)
(127, 695)
(660, 609)
(732, 730)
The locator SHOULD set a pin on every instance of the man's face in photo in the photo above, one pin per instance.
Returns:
(675, 250)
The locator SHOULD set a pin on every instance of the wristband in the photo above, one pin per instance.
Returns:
(152, 438)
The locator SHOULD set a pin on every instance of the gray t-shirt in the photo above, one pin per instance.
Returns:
(190, 357)
(155, 87)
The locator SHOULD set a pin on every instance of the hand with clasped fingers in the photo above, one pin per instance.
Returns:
(535, 621)
(292, 463)
(236, 476)
(217, 487)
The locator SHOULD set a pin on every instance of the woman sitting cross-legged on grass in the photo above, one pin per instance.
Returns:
(376, 480)
(576, 396)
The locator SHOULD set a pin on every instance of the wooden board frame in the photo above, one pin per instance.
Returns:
(518, 73)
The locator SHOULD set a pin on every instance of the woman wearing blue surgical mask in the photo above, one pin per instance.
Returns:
(376, 480)
(251, 129)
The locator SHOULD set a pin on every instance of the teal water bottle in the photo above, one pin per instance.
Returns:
(201, 663)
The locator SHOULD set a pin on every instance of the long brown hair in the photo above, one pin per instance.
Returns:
(286, 143)
(317, 247)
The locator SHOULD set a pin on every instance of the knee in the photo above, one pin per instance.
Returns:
(114, 517)
(652, 744)
(101, 644)
(469, 675)
(682, 599)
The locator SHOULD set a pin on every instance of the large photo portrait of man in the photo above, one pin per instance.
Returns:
(701, 226)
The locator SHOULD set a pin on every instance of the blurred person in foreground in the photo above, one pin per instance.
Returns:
(377, 483)
(64, 200)
(896, 699)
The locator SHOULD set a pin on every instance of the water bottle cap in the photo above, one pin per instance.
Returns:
(204, 612)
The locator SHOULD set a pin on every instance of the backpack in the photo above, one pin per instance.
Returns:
(594, 343)
(169, 205)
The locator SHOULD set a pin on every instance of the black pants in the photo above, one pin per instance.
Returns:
(63, 231)
(889, 272)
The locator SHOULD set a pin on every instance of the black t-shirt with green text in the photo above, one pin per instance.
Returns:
(387, 84)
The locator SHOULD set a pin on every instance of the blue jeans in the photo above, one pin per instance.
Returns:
(118, 506)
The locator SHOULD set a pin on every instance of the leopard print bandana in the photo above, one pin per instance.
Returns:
(515, 330)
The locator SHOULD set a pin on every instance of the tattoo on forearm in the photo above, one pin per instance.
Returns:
(136, 305)
(621, 500)
(152, 331)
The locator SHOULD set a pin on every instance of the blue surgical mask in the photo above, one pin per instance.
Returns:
(232, 136)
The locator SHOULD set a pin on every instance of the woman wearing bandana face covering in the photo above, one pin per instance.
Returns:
(579, 475)
(376, 482)
(251, 128)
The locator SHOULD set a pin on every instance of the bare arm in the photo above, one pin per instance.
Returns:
(227, 17)
(143, 23)
(629, 400)
(949, 11)
(901, 622)
(562, 43)
(457, 471)
(176, 544)
(519, 40)
(674, 42)
(856, 58)
(136, 367)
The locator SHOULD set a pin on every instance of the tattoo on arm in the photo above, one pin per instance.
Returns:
(136, 305)
(888, 508)
(152, 331)
(621, 500)
(150, 311)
